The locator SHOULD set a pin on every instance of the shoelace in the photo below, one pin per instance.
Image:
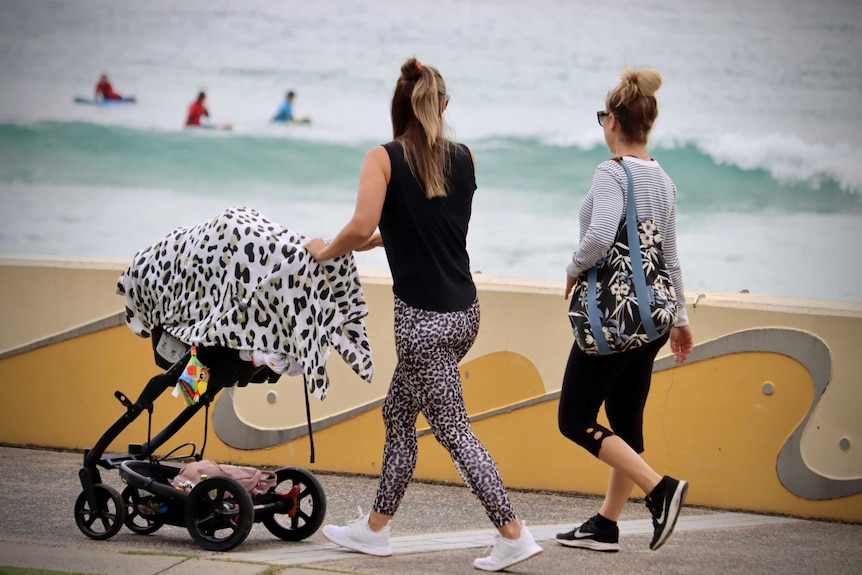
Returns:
(363, 518)
(654, 508)
(361, 515)
(489, 550)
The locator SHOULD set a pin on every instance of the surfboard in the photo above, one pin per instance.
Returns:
(103, 102)
(299, 120)
(225, 126)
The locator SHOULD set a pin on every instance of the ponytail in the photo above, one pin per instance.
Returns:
(417, 123)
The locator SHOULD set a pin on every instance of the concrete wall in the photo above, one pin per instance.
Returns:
(764, 416)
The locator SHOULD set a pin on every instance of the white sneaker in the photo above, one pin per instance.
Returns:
(358, 536)
(508, 552)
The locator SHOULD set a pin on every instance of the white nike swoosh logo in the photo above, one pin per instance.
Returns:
(581, 534)
(662, 516)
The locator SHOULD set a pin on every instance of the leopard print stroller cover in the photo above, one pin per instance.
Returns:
(244, 282)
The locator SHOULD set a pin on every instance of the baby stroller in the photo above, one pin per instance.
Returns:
(218, 512)
(236, 283)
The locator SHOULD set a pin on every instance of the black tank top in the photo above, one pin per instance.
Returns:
(426, 240)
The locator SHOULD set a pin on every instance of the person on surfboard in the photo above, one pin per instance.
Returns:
(285, 111)
(198, 110)
(104, 90)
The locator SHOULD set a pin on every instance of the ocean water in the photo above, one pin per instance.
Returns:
(760, 123)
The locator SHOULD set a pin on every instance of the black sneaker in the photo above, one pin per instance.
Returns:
(590, 536)
(664, 504)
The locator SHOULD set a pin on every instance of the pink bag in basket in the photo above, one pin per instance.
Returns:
(255, 481)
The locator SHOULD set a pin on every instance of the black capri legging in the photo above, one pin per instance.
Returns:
(621, 381)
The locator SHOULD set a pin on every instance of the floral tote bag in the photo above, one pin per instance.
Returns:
(627, 299)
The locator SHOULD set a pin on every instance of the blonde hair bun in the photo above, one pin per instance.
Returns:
(645, 81)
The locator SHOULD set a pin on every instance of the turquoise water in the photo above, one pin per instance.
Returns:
(759, 123)
(84, 154)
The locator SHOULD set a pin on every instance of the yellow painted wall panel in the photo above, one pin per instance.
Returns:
(709, 421)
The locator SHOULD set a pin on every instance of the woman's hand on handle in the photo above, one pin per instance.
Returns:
(315, 246)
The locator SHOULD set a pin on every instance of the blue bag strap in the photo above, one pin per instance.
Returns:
(594, 313)
(641, 289)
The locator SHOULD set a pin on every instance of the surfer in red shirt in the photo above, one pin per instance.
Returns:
(196, 110)
(104, 90)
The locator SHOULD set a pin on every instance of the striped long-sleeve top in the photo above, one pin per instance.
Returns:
(604, 207)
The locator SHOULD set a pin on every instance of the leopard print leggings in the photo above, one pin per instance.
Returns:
(429, 346)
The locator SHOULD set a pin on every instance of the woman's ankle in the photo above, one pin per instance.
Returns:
(511, 530)
(377, 521)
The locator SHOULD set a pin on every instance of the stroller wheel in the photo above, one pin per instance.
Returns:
(141, 511)
(219, 513)
(105, 519)
(301, 497)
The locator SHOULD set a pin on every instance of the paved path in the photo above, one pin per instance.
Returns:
(428, 542)
(440, 529)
